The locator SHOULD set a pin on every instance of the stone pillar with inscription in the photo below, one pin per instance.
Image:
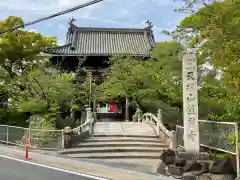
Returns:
(190, 101)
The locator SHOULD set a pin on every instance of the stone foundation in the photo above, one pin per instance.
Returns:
(192, 166)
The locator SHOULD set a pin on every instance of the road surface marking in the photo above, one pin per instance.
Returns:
(54, 168)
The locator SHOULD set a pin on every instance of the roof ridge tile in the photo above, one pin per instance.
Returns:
(134, 42)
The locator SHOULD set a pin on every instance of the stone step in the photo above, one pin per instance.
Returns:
(124, 135)
(123, 139)
(120, 144)
(117, 155)
(123, 128)
(112, 149)
(118, 134)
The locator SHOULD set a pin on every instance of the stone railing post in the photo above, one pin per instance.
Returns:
(159, 118)
(147, 118)
(89, 119)
(173, 141)
(139, 115)
(135, 116)
(67, 137)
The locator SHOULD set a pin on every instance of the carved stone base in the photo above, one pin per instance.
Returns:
(188, 177)
(189, 166)
(161, 168)
(174, 171)
(210, 176)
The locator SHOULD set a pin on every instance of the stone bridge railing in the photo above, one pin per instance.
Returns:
(83, 131)
(156, 121)
(87, 125)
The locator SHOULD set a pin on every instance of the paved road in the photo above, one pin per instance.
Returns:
(15, 170)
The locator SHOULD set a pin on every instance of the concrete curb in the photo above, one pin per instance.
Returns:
(80, 166)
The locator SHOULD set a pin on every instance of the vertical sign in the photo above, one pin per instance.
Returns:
(190, 102)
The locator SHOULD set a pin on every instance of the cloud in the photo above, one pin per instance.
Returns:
(60, 42)
(122, 13)
(163, 3)
(63, 4)
(27, 6)
(42, 7)
(109, 13)
(33, 30)
(103, 20)
(62, 27)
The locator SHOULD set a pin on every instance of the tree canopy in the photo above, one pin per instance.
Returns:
(149, 84)
(159, 79)
(19, 48)
(217, 23)
(31, 85)
(36, 88)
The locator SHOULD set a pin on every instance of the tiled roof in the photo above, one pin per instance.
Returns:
(87, 41)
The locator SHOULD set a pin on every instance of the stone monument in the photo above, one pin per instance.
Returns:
(190, 101)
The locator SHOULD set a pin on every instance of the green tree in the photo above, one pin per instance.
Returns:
(217, 23)
(19, 51)
(19, 48)
(149, 84)
(49, 93)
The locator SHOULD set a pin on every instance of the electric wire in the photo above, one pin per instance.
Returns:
(52, 16)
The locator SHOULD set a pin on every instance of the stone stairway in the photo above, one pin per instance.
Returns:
(139, 153)
(117, 147)
(125, 144)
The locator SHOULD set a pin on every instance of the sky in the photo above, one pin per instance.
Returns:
(109, 13)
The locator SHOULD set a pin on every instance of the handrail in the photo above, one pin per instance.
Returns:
(153, 117)
(77, 129)
(149, 117)
(89, 121)
(168, 136)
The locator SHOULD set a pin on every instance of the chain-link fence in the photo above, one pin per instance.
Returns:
(39, 138)
(220, 136)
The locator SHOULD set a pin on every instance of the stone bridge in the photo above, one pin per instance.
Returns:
(136, 144)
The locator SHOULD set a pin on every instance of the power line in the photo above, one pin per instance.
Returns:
(54, 15)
